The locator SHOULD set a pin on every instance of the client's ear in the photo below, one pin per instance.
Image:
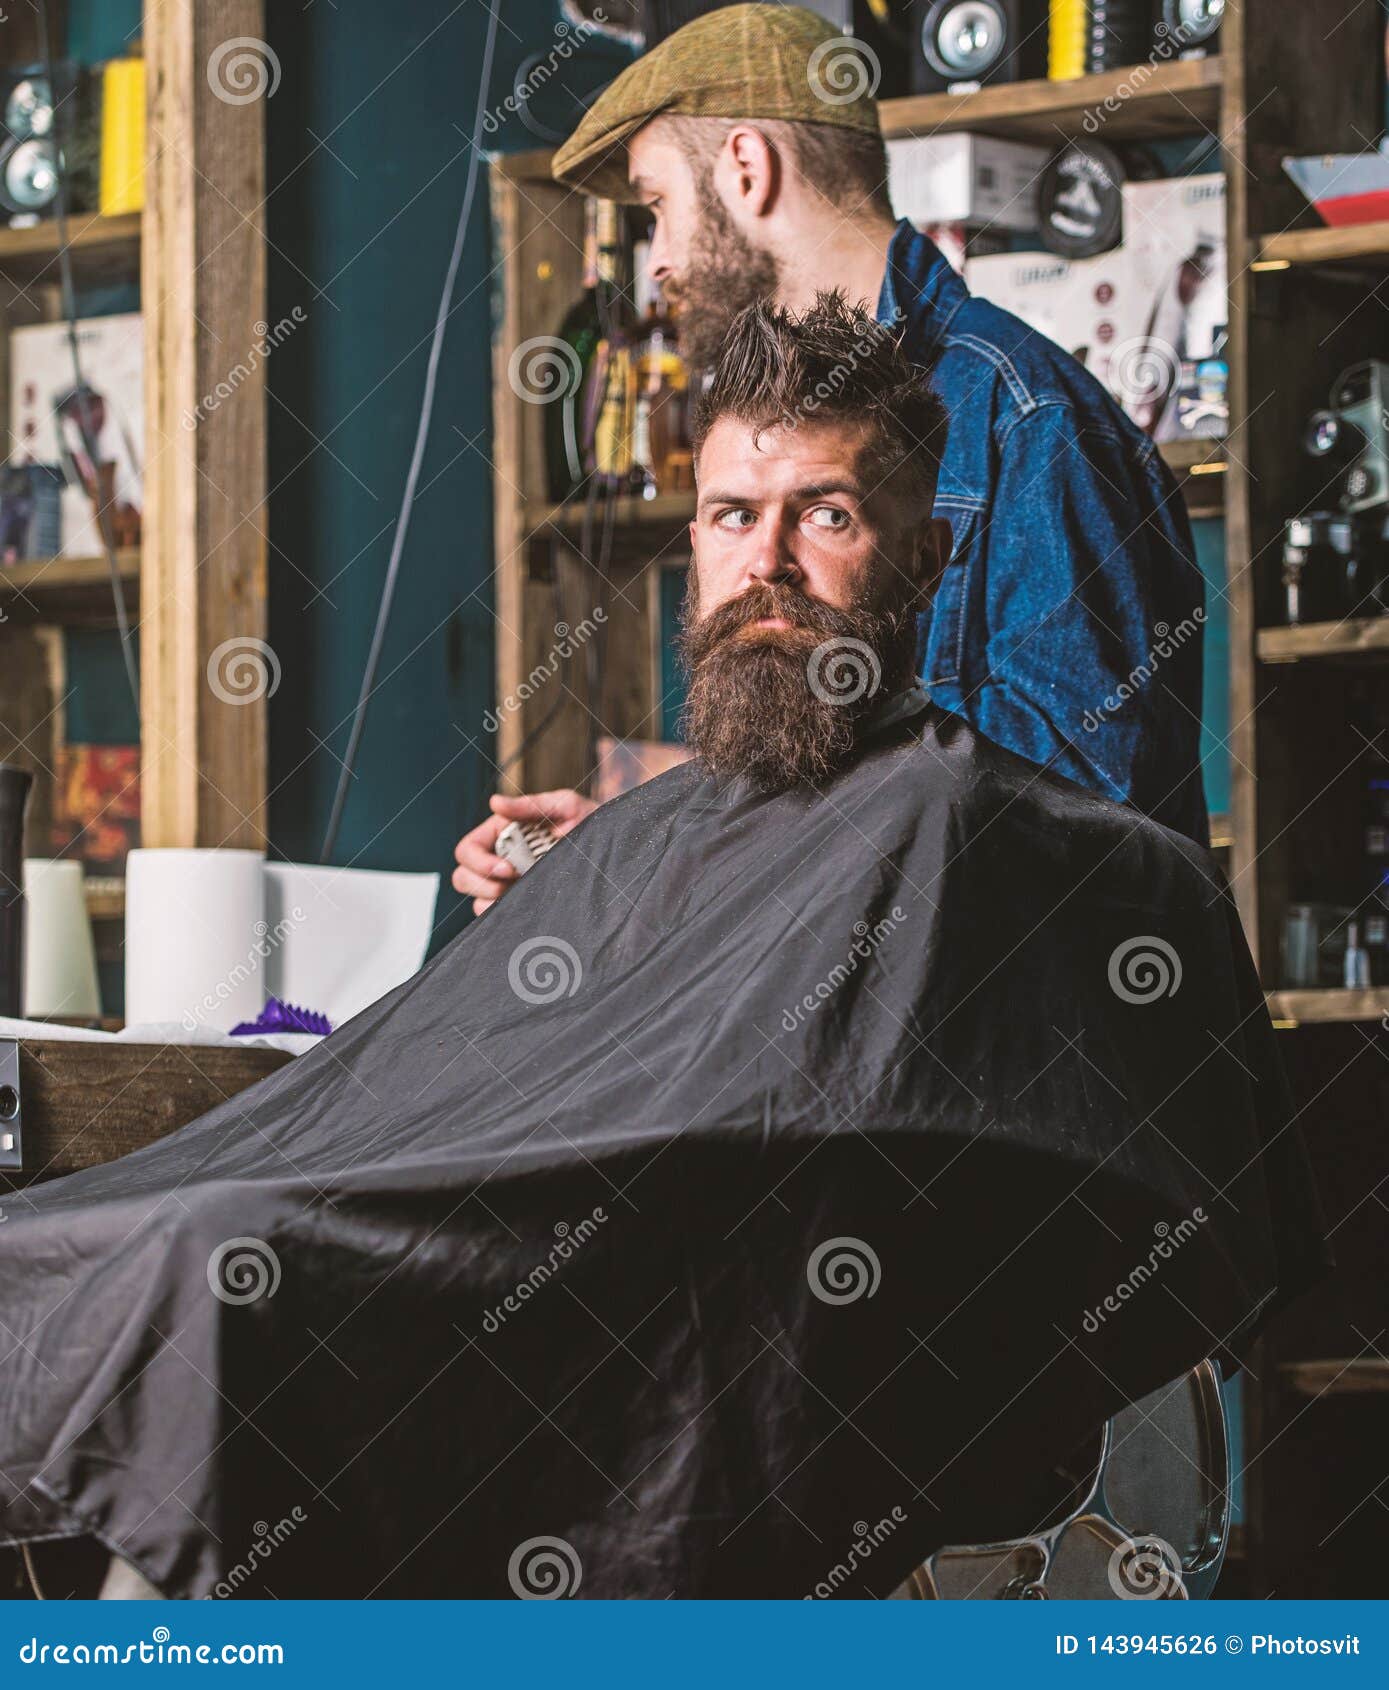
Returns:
(934, 543)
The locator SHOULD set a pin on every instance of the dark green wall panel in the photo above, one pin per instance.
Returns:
(368, 140)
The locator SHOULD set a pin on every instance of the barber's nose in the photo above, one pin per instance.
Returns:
(657, 258)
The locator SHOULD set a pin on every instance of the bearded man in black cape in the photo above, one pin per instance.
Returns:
(778, 1156)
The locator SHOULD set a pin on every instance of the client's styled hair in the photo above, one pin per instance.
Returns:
(780, 369)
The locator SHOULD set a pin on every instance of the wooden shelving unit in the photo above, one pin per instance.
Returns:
(40, 597)
(199, 577)
(1304, 707)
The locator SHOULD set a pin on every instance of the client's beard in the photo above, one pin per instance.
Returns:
(724, 273)
(783, 706)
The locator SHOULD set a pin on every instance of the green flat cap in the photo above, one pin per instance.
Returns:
(738, 62)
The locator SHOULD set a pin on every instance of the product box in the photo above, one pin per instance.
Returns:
(1174, 237)
(1079, 303)
(44, 426)
(1148, 318)
(970, 179)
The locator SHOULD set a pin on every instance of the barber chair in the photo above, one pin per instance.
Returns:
(1151, 1520)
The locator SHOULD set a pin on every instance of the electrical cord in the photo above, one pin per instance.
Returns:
(103, 515)
(378, 636)
(31, 1571)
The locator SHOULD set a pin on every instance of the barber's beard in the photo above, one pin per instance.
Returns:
(784, 706)
(724, 272)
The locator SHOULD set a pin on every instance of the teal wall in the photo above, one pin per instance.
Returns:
(360, 224)
(102, 29)
(1209, 534)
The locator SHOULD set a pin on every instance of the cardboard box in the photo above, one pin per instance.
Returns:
(1147, 319)
(1078, 303)
(112, 354)
(971, 179)
(1174, 238)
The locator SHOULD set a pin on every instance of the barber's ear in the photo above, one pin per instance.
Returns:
(750, 170)
(934, 544)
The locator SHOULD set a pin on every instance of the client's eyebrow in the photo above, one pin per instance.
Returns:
(809, 490)
(818, 489)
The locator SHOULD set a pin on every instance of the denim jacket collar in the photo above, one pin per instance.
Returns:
(920, 290)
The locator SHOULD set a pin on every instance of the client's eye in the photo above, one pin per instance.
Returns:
(729, 519)
(828, 516)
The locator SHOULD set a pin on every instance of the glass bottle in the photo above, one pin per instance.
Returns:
(580, 331)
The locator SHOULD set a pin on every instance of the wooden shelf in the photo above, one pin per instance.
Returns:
(1292, 1007)
(67, 589)
(1362, 636)
(644, 530)
(100, 247)
(1363, 243)
(1142, 102)
(1201, 471)
(1337, 1378)
(1204, 457)
(666, 510)
(105, 895)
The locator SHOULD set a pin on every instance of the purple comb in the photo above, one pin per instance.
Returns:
(278, 1017)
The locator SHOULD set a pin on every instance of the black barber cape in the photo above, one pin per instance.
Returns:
(766, 1186)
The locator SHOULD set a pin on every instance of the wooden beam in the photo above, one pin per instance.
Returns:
(206, 671)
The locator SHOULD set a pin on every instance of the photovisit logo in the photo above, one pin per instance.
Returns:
(842, 1270)
(544, 969)
(1144, 969)
(1146, 1569)
(243, 1270)
(544, 1569)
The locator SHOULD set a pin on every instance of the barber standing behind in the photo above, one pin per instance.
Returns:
(750, 137)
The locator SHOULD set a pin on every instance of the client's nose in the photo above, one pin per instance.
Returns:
(773, 561)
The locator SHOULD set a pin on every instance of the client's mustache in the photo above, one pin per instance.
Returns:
(760, 601)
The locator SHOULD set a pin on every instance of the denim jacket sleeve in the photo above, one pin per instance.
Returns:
(1081, 570)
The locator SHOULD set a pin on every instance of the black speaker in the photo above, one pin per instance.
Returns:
(1120, 33)
(962, 44)
(41, 134)
(1191, 28)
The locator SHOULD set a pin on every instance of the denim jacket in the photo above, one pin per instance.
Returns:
(1067, 625)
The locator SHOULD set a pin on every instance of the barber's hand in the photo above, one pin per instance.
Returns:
(481, 873)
